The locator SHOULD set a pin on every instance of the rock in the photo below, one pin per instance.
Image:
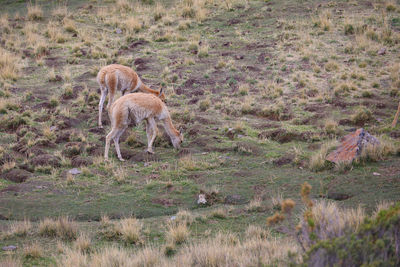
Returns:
(9, 248)
(382, 51)
(74, 171)
(46, 159)
(118, 31)
(17, 175)
(351, 146)
(202, 199)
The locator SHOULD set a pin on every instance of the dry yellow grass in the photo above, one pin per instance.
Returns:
(10, 262)
(132, 25)
(21, 228)
(318, 160)
(33, 251)
(63, 227)
(35, 12)
(177, 233)
(9, 65)
(130, 230)
(83, 243)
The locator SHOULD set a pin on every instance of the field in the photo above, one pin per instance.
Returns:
(261, 89)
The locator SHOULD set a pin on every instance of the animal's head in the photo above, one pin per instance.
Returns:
(161, 94)
(178, 139)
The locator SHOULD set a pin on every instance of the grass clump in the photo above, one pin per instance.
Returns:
(318, 160)
(33, 251)
(130, 230)
(361, 116)
(177, 233)
(9, 68)
(35, 12)
(19, 229)
(63, 228)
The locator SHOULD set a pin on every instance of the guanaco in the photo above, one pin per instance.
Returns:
(118, 77)
(139, 107)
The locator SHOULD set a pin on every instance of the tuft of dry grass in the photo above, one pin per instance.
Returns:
(120, 174)
(255, 205)
(379, 151)
(35, 12)
(177, 233)
(331, 127)
(20, 229)
(72, 257)
(130, 230)
(83, 243)
(318, 160)
(255, 231)
(60, 12)
(132, 25)
(9, 65)
(185, 217)
(33, 251)
(10, 262)
(63, 227)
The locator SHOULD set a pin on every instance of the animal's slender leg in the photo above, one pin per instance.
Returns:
(101, 103)
(116, 142)
(152, 128)
(110, 101)
(109, 136)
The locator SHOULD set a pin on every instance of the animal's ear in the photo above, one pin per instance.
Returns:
(161, 91)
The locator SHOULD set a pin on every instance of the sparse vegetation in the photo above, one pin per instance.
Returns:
(258, 88)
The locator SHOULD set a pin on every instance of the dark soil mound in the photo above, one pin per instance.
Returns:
(16, 175)
(46, 159)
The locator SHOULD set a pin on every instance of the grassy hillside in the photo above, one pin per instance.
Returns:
(262, 89)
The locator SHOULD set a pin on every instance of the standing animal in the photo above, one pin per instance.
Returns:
(140, 107)
(118, 77)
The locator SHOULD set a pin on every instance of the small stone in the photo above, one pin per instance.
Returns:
(146, 164)
(53, 128)
(382, 51)
(74, 171)
(202, 199)
(173, 218)
(376, 173)
(9, 248)
(118, 30)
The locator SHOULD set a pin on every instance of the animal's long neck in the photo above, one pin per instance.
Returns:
(145, 89)
(169, 128)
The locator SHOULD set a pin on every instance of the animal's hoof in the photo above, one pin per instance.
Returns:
(150, 151)
(121, 159)
(106, 159)
(101, 126)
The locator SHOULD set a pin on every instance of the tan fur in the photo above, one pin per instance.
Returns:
(118, 77)
(139, 107)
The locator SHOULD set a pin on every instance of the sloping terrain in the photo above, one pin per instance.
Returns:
(257, 86)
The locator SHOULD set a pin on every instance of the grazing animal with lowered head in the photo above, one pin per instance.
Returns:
(118, 77)
(139, 107)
